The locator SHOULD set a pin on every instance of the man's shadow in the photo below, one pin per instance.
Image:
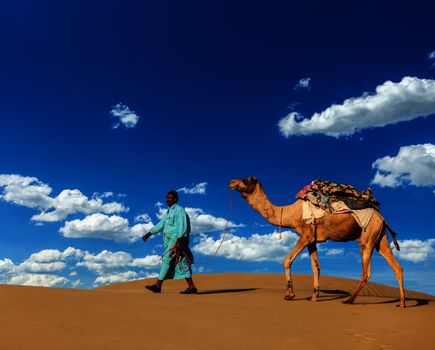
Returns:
(221, 291)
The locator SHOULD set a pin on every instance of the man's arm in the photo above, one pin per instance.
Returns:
(180, 222)
(180, 225)
(156, 228)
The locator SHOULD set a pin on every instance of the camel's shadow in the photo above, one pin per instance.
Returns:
(330, 295)
(333, 295)
(341, 294)
(410, 302)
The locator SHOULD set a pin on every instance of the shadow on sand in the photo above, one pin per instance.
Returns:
(333, 295)
(221, 291)
(339, 294)
(410, 302)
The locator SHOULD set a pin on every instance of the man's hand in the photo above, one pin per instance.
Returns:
(146, 236)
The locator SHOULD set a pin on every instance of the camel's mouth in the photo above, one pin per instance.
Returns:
(243, 185)
(234, 184)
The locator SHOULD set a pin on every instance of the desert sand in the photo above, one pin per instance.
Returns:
(231, 311)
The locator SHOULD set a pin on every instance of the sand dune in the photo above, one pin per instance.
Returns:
(232, 311)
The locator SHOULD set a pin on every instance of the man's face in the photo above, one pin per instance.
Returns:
(170, 199)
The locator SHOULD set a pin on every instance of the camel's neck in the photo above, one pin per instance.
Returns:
(272, 213)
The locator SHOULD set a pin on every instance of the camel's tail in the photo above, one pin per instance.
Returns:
(393, 234)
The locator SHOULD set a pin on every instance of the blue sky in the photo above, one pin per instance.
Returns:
(108, 105)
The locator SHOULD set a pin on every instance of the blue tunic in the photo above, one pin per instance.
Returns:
(174, 225)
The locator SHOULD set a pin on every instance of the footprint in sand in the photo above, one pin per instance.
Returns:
(367, 338)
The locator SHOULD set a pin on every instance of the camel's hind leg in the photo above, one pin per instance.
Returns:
(387, 253)
(300, 245)
(315, 266)
(366, 253)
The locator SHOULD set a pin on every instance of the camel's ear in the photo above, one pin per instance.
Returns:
(252, 179)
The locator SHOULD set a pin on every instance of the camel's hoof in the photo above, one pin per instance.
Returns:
(349, 302)
(401, 305)
(313, 299)
(289, 297)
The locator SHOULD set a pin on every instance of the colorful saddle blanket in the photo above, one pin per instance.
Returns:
(323, 193)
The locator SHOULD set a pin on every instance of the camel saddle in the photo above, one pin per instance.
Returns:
(323, 193)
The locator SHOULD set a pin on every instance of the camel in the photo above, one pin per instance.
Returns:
(334, 227)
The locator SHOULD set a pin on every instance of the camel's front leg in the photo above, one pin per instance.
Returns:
(315, 266)
(300, 245)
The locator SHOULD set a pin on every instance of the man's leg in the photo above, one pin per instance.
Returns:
(191, 289)
(156, 288)
(190, 282)
(166, 264)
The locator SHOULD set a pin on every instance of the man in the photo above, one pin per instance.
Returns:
(177, 257)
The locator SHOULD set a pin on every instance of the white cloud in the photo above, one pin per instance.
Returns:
(334, 251)
(138, 230)
(112, 207)
(40, 280)
(109, 266)
(126, 116)
(26, 191)
(303, 84)
(49, 260)
(202, 222)
(73, 201)
(197, 189)
(416, 250)
(115, 278)
(7, 266)
(107, 261)
(29, 266)
(414, 165)
(76, 284)
(258, 247)
(103, 226)
(200, 269)
(121, 277)
(143, 218)
(148, 262)
(45, 268)
(431, 55)
(292, 106)
(32, 193)
(72, 253)
(255, 248)
(392, 103)
(45, 261)
(149, 275)
(161, 210)
(47, 256)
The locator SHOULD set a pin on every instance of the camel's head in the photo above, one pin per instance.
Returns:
(244, 186)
